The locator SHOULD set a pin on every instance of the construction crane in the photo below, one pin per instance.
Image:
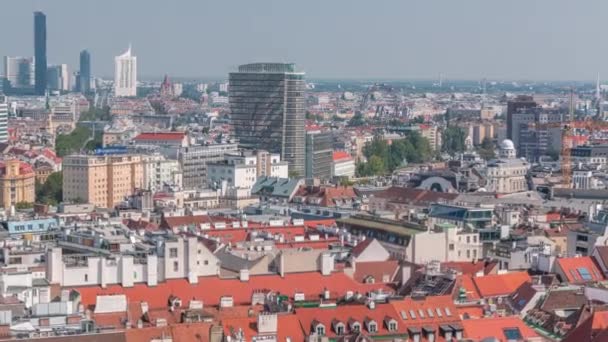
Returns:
(567, 142)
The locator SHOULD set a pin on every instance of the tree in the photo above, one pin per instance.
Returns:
(78, 139)
(96, 114)
(486, 149)
(453, 140)
(24, 205)
(293, 174)
(51, 192)
(357, 120)
(553, 153)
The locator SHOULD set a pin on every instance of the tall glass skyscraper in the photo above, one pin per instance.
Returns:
(268, 110)
(40, 52)
(85, 72)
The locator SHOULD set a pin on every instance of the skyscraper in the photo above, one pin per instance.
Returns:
(125, 76)
(19, 71)
(85, 72)
(267, 110)
(40, 52)
(58, 77)
(3, 119)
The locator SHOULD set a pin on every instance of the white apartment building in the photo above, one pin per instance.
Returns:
(343, 165)
(159, 171)
(125, 75)
(242, 170)
(176, 258)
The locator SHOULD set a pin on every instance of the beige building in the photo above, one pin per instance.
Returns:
(17, 183)
(101, 180)
(481, 131)
(507, 174)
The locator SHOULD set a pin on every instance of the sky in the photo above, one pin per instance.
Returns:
(333, 39)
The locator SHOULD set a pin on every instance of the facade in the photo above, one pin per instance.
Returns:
(17, 183)
(164, 139)
(507, 174)
(58, 77)
(433, 134)
(3, 119)
(125, 75)
(319, 152)
(85, 72)
(242, 170)
(267, 106)
(19, 71)
(589, 154)
(177, 259)
(193, 161)
(159, 171)
(270, 165)
(343, 165)
(40, 52)
(101, 180)
(520, 103)
(532, 142)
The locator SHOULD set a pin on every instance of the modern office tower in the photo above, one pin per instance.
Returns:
(268, 110)
(125, 76)
(319, 152)
(101, 180)
(84, 78)
(520, 103)
(40, 52)
(3, 119)
(58, 77)
(19, 71)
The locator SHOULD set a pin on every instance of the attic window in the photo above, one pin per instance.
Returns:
(392, 326)
(372, 327)
(320, 329)
(356, 327)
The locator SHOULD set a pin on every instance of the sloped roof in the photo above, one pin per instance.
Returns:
(580, 270)
(376, 269)
(500, 284)
(478, 329)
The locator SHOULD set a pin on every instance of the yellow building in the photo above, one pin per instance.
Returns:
(17, 183)
(101, 180)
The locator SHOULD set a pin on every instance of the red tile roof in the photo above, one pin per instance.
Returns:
(575, 268)
(478, 329)
(210, 289)
(341, 156)
(178, 136)
(378, 270)
(592, 329)
(316, 223)
(500, 284)
(288, 327)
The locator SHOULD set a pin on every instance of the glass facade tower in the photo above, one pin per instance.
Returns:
(40, 52)
(268, 110)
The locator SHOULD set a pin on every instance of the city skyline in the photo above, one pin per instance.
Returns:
(329, 41)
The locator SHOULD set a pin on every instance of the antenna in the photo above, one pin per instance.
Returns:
(571, 113)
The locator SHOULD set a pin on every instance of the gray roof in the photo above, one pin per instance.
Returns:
(275, 187)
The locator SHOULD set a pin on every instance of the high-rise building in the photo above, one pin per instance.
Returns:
(40, 52)
(125, 76)
(101, 180)
(193, 161)
(58, 77)
(267, 105)
(319, 154)
(84, 78)
(520, 103)
(19, 71)
(3, 119)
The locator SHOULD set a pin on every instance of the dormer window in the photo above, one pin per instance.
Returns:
(391, 323)
(339, 327)
(355, 326)
(372, 326)
(318, 328)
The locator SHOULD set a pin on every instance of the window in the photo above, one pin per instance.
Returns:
(582, 238)
(468, 254)
(451, 246)
(86, 278)
(372, 327)
(206, 262)
(173, 252)
(175, 266)
(468, 239)
(339, 329)
(356, 327)
(392, 326)
(320, 330)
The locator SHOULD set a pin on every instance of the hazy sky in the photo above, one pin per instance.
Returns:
(466, 39)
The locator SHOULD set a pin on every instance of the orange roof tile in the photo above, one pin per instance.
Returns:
(161, 136)
(341, 155)
(579, 270)
(288, 327)
(378, 270)
(500, 284)
(478, 329)
(210, 289)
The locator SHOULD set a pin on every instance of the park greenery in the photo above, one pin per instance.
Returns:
(383, 158)
(51, 191)
(453, 140)
(80, 138)
(486, 149)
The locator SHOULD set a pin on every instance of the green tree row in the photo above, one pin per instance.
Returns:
(79, 138)
(383, 158)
